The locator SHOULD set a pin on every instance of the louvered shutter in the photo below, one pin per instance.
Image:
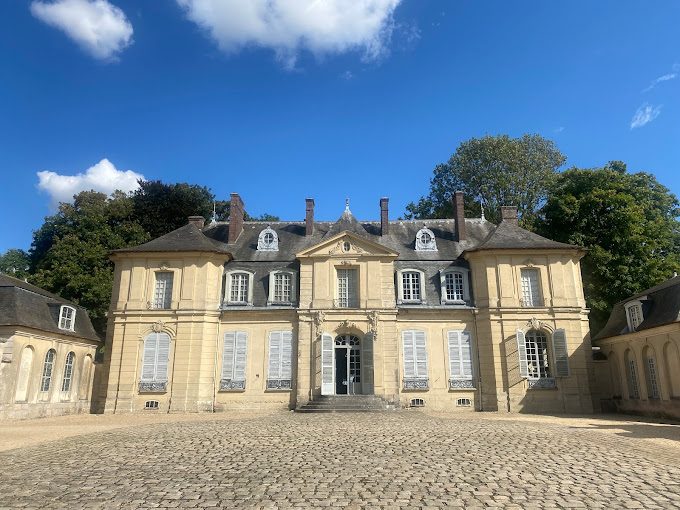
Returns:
(228, 356)
(326, 364)
(275, 355)
(421, 355)
(240, 356)
(454, 355)
(352, 288)
(149, 357)
(466, 354)
(522, 354)
(163, 357)
(409, 355)
(286, 355)
(367, 363)
(561, 353)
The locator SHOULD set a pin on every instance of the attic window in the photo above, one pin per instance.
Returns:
(425, 240)
(268, 240)
(634, 314)
(67, 318)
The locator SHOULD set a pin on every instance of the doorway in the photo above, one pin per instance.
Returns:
(347, 365)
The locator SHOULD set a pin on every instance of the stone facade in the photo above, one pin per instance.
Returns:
(366, 308)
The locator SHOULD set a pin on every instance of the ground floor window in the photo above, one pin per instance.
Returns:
(234, 356)
(279, 373)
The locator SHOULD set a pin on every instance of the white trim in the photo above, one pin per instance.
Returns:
(227, 287)
(400, 287)
(293, 287)
(262, 245)
(67, 322)
(430, 245)
(630, 307)
(465, 273)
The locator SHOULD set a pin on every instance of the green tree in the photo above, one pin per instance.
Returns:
(496, 171)
(70, 251)
(629, 225)
(15, 262)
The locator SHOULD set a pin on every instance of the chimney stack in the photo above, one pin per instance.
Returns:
(199, 221)
(384, 216)
(309, 216)
(509, 214)
(459, 215)
(236, 214)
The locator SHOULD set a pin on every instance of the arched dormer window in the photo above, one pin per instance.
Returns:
(634, 314)
(282, 288)
(268, 240)
(455, 286)
(410, 287)
(67, 318)
(238, 288)
(425, 240)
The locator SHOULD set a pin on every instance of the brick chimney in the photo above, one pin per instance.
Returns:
(459, 215)
(235, 217)
(384, 216)
(199, 221)
(509, 214)
(309, 216)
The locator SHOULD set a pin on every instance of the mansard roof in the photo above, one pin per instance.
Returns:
(186, 238)
(508, 236)
(23, 304)
(660, 305)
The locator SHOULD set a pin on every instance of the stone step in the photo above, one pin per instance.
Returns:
(345, 404)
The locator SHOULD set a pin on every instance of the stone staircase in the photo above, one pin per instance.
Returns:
(345, 404)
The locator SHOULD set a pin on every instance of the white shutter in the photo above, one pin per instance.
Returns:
(454, 355)
(228, 356)
(522, 354)
(163, 357)
(561, 353)
(240, 356)
(421, 354)
(326, 364)
(286, 355)
(352, 288)
(274, 355)
(466, 354)
(149, 357)
(409, 355)
(367, 363)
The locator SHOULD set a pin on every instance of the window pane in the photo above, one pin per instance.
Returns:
(537, 355)
(163, 291)
(239, 288)
(47, 371)
(347, 288)
(530, 290)
(282, 287)
(410, 286)
(68, 372)
(66, 317)
(454, 286)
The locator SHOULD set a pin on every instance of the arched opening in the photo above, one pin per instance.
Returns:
(672, 360)
(615, 373)
(48, 367)
(24, 375)
(347, 356)
(651, 373)
(85, 376)
(631, 375)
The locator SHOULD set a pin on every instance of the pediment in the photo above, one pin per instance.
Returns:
(347, 244)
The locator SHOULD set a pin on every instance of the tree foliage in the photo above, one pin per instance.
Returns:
(494, 170)
(16, 263)
(628, 223)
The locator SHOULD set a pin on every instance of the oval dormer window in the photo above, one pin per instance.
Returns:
(425, 240)
(268, 240)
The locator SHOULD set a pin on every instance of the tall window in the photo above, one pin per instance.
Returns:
(415, 360)
(410, 281)
(234, 356)
(537, 354)
(48, 367)
(162, 297)
(531, 294)
(347, 288)
(67, 318)
(283, 287)
(460, 359)
(68, 372)
(155, 362)
(631, 372)
(635, 317)
(279, 373)
(651, 374)
(454, 286)
(238, 288)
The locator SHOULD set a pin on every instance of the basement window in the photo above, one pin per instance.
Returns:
(463, 402)
(151, 404)
(417, 402)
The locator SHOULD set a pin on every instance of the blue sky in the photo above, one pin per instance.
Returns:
(320, 102)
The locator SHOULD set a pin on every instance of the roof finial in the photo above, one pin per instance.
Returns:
(481, 204)
(213, 220)
(347, 205)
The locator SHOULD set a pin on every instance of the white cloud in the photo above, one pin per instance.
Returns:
(98, 27)
(666, 77)
(103, 176)
(288, 26)
(645, 114)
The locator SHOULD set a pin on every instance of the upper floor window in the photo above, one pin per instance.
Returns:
(347, 288)
(634, 314)
(454, 286)
(239, 288)
(162, 294)
(531, 293)
(268, 240)
(410, 286)
(281, 288)
(67, 318)
(48, 367)
(425, 240)
(68, 372)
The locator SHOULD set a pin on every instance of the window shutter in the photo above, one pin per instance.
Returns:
(466, 354)
(454, 355)
(163, 357)
(367, 362)
(409, 355)
(286, 355)
(275, 355)
(352, 288)
(228, 356)
(561, 353)
(522, 354)
(421, 354)
(149, 357)
(240, 356)
(326, 364)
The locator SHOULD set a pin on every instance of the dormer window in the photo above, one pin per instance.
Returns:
(425, 240)
(634, 314)
(67, 318)
(239, 288)
(268, 240)
(410, 286)
(455, 289)
(281, 288)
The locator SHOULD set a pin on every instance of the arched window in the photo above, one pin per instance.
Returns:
(68, 372)
(281, 288)
(239, 288)
(651, 373)
(85, 376)
(67, 318)
(155, 362)
(632, 375)
(425, 240)
(455, 288)
(268, 240)
(410, 286)
(48, 367)
(24, 376)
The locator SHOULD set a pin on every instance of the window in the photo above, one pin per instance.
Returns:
(279, 374)
(415, 360)
(68, 372)
(347, 288)
(534, 358)
(454, 286)
(460, 360)
(234, 355)
(410, 282)
(155, 362)
(281, 288)
(162, 296)
(48, 366)
(67, 318)
(239, 288)
(268, 240)
(531, 294)
(417, 402)
(463, 402)
(651, 374)
(537, 354)
(631, 369)
(634, 314)
(151, 404)
(425, 240)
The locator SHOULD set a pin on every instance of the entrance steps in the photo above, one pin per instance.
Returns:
(345, 404)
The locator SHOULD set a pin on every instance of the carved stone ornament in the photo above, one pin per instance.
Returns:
(346, 325)
(164, 266)
(373, 319)
(318, 318)
(345, 263)
(157, 326)
(336, 249)
(534, 323)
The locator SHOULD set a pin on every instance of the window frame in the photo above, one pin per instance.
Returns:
(64, 318)
(465, 273)
(69, 372)
(630, 307)
(417, 380)
(47, 375)
(400, 287)
(461, 381)
(271, 299)
(228, 276)
(229, 381)
(262, 245)
(279, 381)
(536, 301)
(431, 245)
(352, 300)
(157, 382)
(163, 305)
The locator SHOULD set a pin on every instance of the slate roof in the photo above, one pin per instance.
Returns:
(661, 306)
(186, 238)
(23, 304)
(510, 236)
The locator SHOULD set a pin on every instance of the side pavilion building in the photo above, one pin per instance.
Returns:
(447, 313)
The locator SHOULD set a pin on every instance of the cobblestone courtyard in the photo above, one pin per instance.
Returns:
(401, 459)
